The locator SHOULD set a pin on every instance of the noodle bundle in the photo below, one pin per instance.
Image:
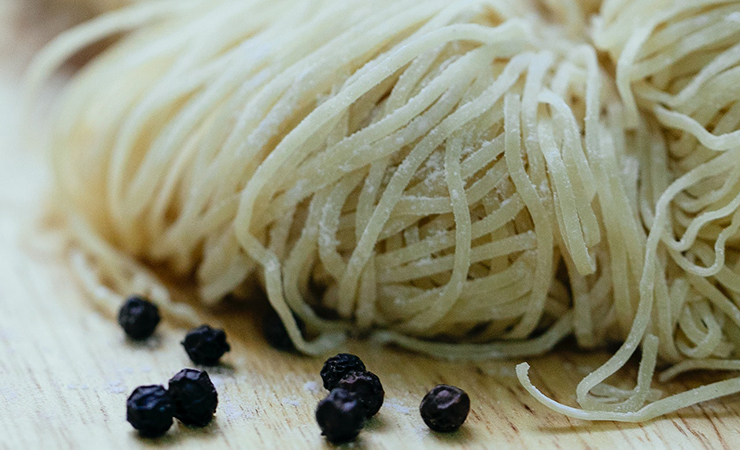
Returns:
(464, 179)
(677, 72)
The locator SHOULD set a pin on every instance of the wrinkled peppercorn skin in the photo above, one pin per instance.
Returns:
(340, 416)
(445, 408)
(337, 367)
(275, 333)
(205, 345)
(367, 387)
(149, 409)
(194, 396)
(138, 317)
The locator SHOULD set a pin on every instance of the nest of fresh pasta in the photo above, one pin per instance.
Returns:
(472, 179)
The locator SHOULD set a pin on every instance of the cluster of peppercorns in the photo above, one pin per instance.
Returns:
(190, 397)
(204, 345)
(355, 395)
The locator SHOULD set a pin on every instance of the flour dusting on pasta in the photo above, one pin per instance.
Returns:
(473, 179)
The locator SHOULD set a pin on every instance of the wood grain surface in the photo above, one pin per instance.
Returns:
(66, 370)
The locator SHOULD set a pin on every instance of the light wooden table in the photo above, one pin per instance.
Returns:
(66, 370)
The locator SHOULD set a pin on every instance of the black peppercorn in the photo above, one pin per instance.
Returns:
(336, 367)
(275, 332)
(149, 409)
(138, 317)
(445, 408)
(340, 416)
(367, 387)
(205, 345)
(194, 396)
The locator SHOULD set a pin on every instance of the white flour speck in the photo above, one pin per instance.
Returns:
(115, 387)
(293, 401)
(499, 371)
(312, 387)
(397, 406)
(233, 411)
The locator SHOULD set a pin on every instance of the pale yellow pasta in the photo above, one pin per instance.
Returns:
(677, 71)
(465, 179)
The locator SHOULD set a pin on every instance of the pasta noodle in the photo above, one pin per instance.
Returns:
(465, 179)
(678, 62)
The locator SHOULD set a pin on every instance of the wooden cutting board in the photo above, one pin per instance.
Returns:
(66, 370)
